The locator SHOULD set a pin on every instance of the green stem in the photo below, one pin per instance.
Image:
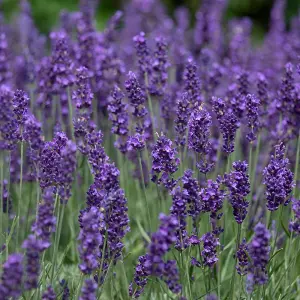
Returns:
(292, 213)
(144, 188)
(20, 191)
(70, 113)
(297, 165)
(234, 270)
(150, 106)
(61, 210)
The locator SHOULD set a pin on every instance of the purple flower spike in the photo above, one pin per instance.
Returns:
(142, 52)
(182, 117)
(192, 83)
(243, 259)
(20, 106)
(192, 188)
(165, 162)
(259, 252)
(178, 210)
(90, 240)
(136, 142)
(199, 131)
(34, 248)
(118, 115)
(278, 179)
(45, 223)
(49, 294)
(159, 74)
(11, 278)
(136, 96)
(153, 264)
(210, 244)
(239, 187)
(88, 291)
(294, 225)
(252, 104)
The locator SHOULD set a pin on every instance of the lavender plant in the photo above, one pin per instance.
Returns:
(153, 159)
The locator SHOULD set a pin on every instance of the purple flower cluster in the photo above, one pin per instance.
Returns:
(182, 117)
(179, 211)
(143, 53)
(294, 225)
(238, 185)
(11, 278)
(252, 104)
(278, 179)
(159, 72)
(192, 84)
(46, 221)
(57, 164)
(90, 240)
(164, 162)
(259, 252)
(106, 209)
(212, 198)
(153, 264)
(228, 123)
(34, 248)
(209, 252)
(88, 291)
(118, 115)
(20, 106)
(192, 191)
(199, 131)
(49, 294)
(243, 259)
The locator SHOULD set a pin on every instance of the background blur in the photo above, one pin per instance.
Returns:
(46, 12)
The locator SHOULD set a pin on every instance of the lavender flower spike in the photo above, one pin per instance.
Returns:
(90, 240)
(278, 179)
(252, 104)
(20, 106)
(165, 162)
(259, 252)
(294, 225)
(88, 291)
(11, 279)
(49, 294)
(239, 187)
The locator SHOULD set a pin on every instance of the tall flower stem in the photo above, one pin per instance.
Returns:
(144, 187)
(61, 210)
(238, 240)
(20, 189)
(287, 260)
(70, 113)
(150, 106)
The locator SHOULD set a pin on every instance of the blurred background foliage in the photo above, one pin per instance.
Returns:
(46, 12)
